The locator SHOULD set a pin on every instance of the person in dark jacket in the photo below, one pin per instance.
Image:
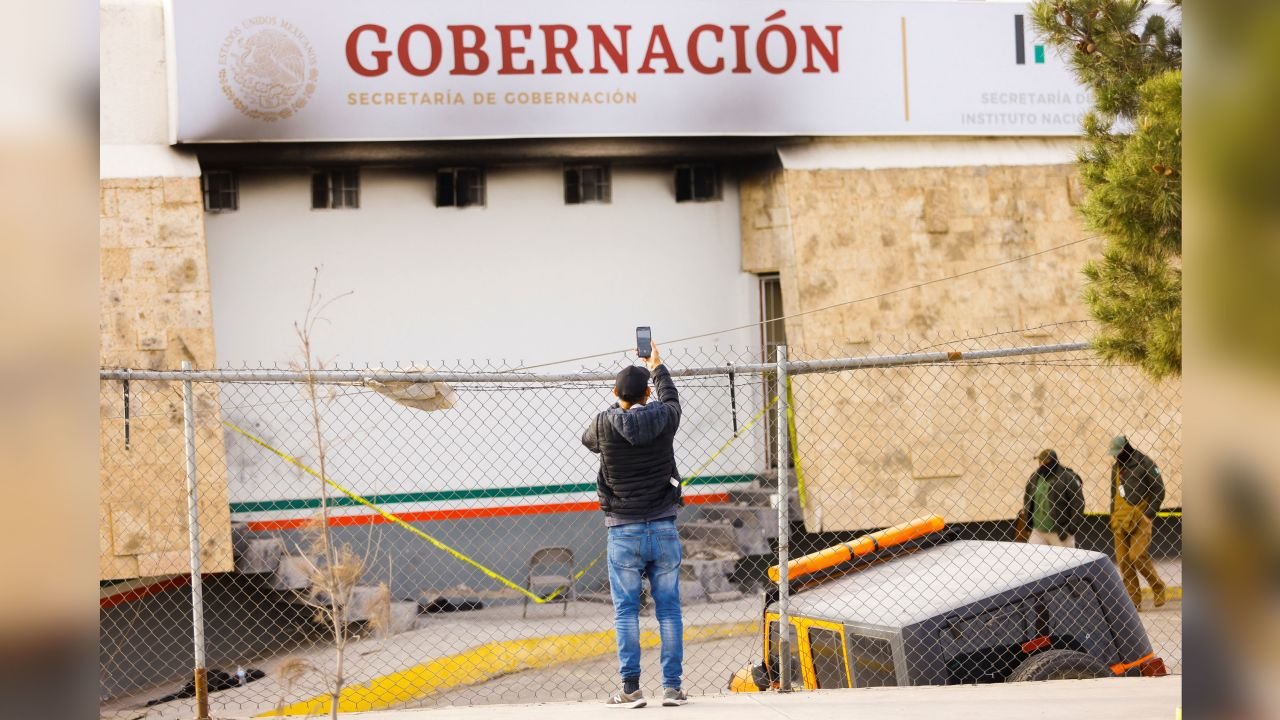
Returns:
(639, 489)
(1052, 503)
(1137, 491)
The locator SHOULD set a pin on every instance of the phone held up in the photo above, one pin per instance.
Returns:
(644, 341)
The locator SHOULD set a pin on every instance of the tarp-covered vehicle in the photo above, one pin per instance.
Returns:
(912, 606)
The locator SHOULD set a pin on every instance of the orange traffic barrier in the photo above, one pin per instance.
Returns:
(864, 545)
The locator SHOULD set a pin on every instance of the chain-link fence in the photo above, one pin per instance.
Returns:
(441, 524)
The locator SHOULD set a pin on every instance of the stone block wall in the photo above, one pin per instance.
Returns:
(879, 447)
(766, 222)
(155, 313)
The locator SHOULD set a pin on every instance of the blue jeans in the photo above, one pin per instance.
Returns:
(647, 549)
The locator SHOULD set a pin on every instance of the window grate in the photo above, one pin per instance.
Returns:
(460, 187)
(773, 333)
(335, 189)
(587, 184)
(697, 183)
(221, 189)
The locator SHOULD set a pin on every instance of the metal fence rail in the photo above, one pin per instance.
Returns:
(383, 375)
(453, 497)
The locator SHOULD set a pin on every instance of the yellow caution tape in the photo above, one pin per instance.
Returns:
(402, 523)
(795, 449)
(455, 553)
(698, 473)
(1164, 514)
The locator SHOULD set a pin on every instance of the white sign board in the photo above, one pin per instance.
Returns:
(298, 70)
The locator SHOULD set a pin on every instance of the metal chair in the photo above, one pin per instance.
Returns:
(551, 567)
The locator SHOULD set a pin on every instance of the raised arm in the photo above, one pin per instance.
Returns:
(664, 387)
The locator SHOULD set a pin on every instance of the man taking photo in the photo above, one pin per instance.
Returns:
(639, 490)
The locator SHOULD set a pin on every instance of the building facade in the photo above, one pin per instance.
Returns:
(533, 231)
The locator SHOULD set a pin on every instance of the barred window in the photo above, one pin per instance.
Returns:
(221, 190)
(587, 184)
(460, 187)
(335, 189)
(773, 333)
(697, 183)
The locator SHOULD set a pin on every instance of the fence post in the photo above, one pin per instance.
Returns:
(784, 526)
(193, 526)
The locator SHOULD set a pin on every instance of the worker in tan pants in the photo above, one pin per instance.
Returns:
(1137, 490)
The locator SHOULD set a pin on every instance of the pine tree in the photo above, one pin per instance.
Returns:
(1131, 168)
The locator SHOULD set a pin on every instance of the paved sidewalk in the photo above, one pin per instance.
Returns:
(543, 655)
(467, 639)
(1107, 699)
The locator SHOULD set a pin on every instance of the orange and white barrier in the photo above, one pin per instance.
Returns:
(865, 545)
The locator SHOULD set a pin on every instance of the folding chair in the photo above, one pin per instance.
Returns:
(551, 568)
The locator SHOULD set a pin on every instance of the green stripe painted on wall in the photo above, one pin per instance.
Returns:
(447, 495)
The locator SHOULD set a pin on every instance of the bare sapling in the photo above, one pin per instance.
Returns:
(334, 578)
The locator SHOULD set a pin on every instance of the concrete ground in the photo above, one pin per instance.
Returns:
(1107, 699)
(546, 656)
(707, 669)
(443, 636)
(1164, 625)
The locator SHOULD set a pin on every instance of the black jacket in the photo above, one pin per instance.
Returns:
(1141, 481)
(1066, 498)
(638, 475)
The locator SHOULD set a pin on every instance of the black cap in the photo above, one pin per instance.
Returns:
(631, 383)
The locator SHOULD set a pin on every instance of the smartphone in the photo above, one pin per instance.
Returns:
(644, 342)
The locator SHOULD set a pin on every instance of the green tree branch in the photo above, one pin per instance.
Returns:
(1131, 168)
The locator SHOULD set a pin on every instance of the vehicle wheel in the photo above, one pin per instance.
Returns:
(1059, 665)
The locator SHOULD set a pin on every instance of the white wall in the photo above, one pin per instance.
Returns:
(134, 105)
(527, 278)
(133, 108)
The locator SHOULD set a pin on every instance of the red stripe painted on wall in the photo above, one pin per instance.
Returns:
(459, 514)
(178, 581)
(140, 592)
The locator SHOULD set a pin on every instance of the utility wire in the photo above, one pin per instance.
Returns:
(596, 385)
(821, 309)
(999, 333)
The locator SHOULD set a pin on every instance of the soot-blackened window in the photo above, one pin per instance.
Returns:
(221, 190)
(697, 183)
(460, 187)
(587, 184)
(335, 189)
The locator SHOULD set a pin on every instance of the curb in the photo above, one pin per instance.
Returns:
(489, 661)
